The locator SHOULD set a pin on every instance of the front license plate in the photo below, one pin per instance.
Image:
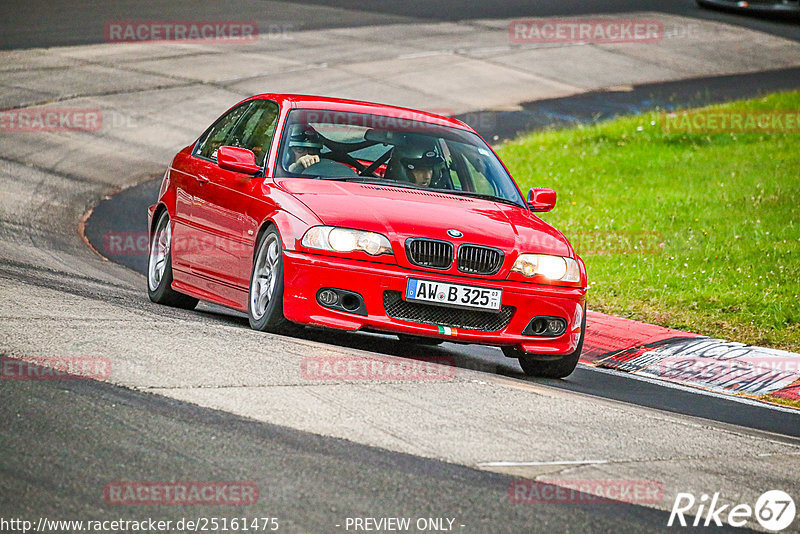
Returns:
(453, 294)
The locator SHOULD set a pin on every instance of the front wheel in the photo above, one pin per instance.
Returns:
(532, 365)
(265, 298)
(548, 366)
(159, 268)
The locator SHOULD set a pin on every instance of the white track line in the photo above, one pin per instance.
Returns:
(521, 464)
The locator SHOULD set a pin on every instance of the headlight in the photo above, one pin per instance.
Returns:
(346, 240)
(553, 267)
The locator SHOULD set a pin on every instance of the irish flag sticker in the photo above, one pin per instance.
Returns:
(447, 331)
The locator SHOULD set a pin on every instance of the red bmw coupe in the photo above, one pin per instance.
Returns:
(303, 210)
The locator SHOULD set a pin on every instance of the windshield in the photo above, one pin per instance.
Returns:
(339, 145)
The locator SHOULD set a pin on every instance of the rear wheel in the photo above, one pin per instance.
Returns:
(159, 268)
(548, 366)
(265, 299)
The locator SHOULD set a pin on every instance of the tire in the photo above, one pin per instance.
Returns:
(419, 340)
(265, 297)
(548, 366)
(159, 268)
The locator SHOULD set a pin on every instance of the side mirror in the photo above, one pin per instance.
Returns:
(236, 159)
(541, 199)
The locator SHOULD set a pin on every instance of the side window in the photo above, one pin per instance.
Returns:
(255, 129)
(473, 175)
(479, 179)
(219, 132)
(449, 165)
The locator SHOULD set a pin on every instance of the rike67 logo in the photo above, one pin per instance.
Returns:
(774, 510)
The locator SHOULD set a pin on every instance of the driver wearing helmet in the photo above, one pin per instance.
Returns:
(415, 162)
(304, 147)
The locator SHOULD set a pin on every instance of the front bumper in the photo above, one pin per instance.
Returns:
(305, 274)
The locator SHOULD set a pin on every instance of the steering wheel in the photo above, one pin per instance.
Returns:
(346, 159)
(326, 167)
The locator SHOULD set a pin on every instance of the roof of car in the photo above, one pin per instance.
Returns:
(356, 106)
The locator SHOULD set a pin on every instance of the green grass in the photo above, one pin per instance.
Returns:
(780, 400)
(720, 214)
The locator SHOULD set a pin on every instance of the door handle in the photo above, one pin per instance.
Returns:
(202, 179)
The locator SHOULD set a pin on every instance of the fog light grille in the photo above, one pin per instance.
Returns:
(545, 326)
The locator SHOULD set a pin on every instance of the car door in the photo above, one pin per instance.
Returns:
(190, 241)
(220, 210)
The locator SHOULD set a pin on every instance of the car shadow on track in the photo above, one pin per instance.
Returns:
(473, 357)
(585, 380)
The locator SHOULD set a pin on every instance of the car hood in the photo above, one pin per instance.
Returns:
(400, 212)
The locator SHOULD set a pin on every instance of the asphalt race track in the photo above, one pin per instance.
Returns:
(54, 23)
(330, 479)
(198, 396)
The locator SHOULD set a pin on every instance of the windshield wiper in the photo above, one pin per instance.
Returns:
(407, 185)
(368, 180)
(479, 195)
(338, 178)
